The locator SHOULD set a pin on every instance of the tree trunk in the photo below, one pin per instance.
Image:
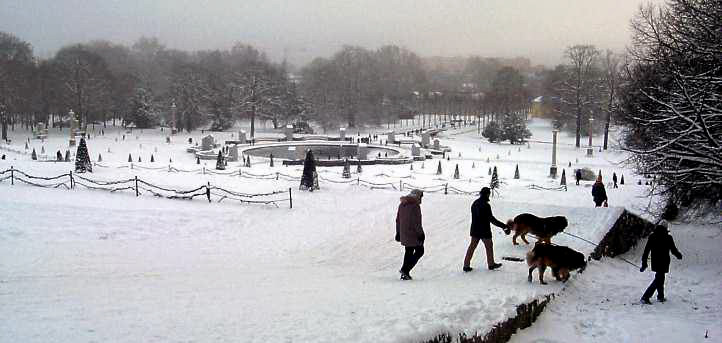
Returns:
(606, 129)
(579, 127)
(253, 121)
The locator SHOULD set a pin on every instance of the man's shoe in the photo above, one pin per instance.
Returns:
(468, 269)
(406, 277)
(645, 301)
(494, 266)
(662, 299)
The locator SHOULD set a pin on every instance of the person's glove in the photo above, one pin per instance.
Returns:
(679, 257)
(644, 266)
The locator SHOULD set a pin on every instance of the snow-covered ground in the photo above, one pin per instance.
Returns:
(82, 265)
(603, 306)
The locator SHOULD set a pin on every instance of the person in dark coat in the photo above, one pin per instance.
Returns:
(578, 176)
(481, 217)
(660, 244)
(409, 231)
(599, 194)
(614, 179)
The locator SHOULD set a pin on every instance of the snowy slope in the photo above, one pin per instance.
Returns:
(602, 306)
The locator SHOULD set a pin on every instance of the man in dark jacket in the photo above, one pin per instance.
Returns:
(599, 194)
(578, 175)
(614, 180)
(409, 231)
(481, 217)
(660, 244)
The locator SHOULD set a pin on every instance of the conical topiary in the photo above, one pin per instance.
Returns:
(198, 160)
(42, 150)
(152, 159)
(26, 146)
(422, 165)
(494, 184)
(438, 169)
(220, 161)
(59, 156)
(139, 160)
(34, 155)
(516, 172)
(82, 158)
(456, 172)
(489, 173)
(67, 156)
(248, 161)
(570, 164)
(564, 178)
(358, 167)
(621, 180)
(473, 165)
(309, 178)
(271, 164)
(100, 158)
(130, 158)
(412, 167)
(346, 170)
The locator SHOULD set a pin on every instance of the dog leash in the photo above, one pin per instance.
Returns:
(590, 242)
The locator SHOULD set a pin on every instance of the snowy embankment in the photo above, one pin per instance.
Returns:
(603, 306)
(85, 265)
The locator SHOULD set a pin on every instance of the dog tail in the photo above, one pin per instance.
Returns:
(530, 258)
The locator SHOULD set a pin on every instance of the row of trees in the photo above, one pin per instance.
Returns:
(142, 85)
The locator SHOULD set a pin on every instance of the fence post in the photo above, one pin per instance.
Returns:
(204, 170)
(72, 182)
(136, 186)
(290, 197)
(358, 181)
(276, 176)
(208, 191)
(401, 185)
(446, 189)
(12, 175)
(240, 172)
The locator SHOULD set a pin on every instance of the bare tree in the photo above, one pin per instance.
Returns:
(611, 66)
(579, 90)
(671, 100)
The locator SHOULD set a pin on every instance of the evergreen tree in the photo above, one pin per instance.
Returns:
(493, 132)
(412, 167)
(130, 159)
(621, 180)
(516, 172)
(473, 165)
(221, 116)
(438, 169)
(494, 184)
(564, 178)
(142, 113)
(42, 149)
(456, 172)
(100, 158)
(82, 158)
(346, 170)
(198, 160)
(34, 155)
(152, 159)
(59, 156)
(515, 128)
(67, 156)
(220, 161)
(309, 179)
(489, 173)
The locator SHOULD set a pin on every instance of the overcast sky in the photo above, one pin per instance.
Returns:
(301, 30)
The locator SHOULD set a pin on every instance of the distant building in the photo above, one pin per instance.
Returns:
(542, 107)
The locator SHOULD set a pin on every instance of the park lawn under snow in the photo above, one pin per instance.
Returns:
(94, 266)
(86, 265)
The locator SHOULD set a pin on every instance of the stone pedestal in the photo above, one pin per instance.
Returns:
(342, 133)
(289, 132)
(391, 137)
(590, 152)
(208, 142)
(425, 139)
(437, 146)
(233, 153)
(553, 172)
(242, 137)
(415, 150)
(553, 168)
(362, 151)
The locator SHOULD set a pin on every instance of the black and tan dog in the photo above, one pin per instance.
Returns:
(543, 228)
(559, 258)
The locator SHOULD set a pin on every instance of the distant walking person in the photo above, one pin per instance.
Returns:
(409, 231)
(578, 176)
(481, 217)
(660, 244)
(614, 179)
(599, 194)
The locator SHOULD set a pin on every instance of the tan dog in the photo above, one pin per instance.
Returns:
(543, 228)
